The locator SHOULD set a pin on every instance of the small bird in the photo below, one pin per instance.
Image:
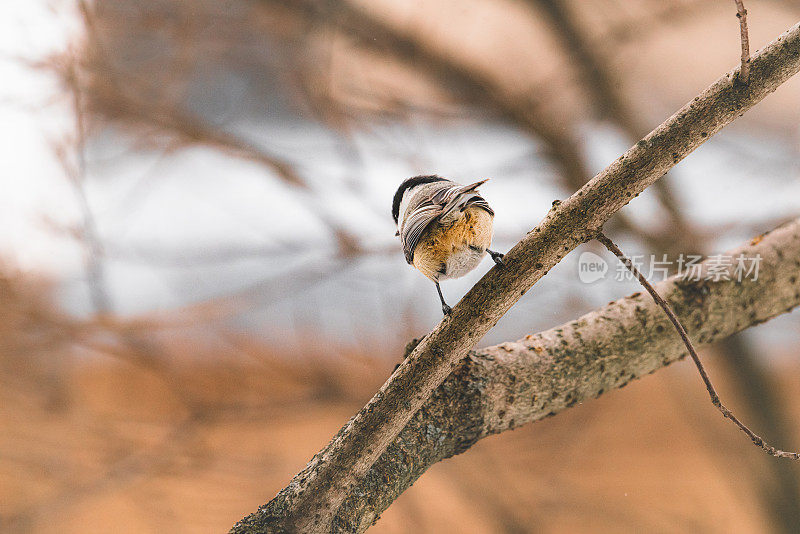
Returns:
(445, 228)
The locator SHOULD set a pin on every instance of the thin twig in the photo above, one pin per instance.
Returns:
(741, 14)
(715, 400)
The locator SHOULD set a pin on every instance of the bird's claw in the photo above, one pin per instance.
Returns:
(497, 257)
(446, 309)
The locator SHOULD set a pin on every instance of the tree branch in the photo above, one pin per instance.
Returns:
(741, 14)
(502, 387)
(464, 82)
(712, 392)
(606, 90)
(312, 500)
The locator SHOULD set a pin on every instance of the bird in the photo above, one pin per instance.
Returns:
(445, 228)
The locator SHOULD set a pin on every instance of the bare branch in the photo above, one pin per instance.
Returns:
(741, 14)
(502, 387)
(312, 500)
(607, 92)
(715, 400)
(752, 378)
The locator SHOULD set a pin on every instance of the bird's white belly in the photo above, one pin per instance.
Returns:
(462, 261)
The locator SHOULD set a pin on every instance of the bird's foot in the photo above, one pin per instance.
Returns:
(496, 256)
(446, 309)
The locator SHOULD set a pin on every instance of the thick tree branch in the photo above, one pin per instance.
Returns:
(607, 92)
(502, 387)
(712, 392)
(312, 500)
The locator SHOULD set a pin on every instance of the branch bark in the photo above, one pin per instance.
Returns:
(502, 387)
(312, 501)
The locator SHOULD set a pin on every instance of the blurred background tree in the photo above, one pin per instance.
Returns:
(214, 285)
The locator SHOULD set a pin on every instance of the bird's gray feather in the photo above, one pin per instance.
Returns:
(433, 203)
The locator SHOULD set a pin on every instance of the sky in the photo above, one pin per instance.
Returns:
(34, 115)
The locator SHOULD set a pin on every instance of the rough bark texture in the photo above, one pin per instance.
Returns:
(504, 386)
(311, 503)
(499, 388)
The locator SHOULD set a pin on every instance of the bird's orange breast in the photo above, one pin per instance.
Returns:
(451, 249)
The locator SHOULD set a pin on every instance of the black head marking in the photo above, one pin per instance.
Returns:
(407, 184)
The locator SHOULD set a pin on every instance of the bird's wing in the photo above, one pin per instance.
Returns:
(444, 198)
(415, 224)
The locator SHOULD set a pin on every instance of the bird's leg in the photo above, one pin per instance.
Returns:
(496, 256)
(445, 308)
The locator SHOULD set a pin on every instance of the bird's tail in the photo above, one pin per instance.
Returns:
(472, 187)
